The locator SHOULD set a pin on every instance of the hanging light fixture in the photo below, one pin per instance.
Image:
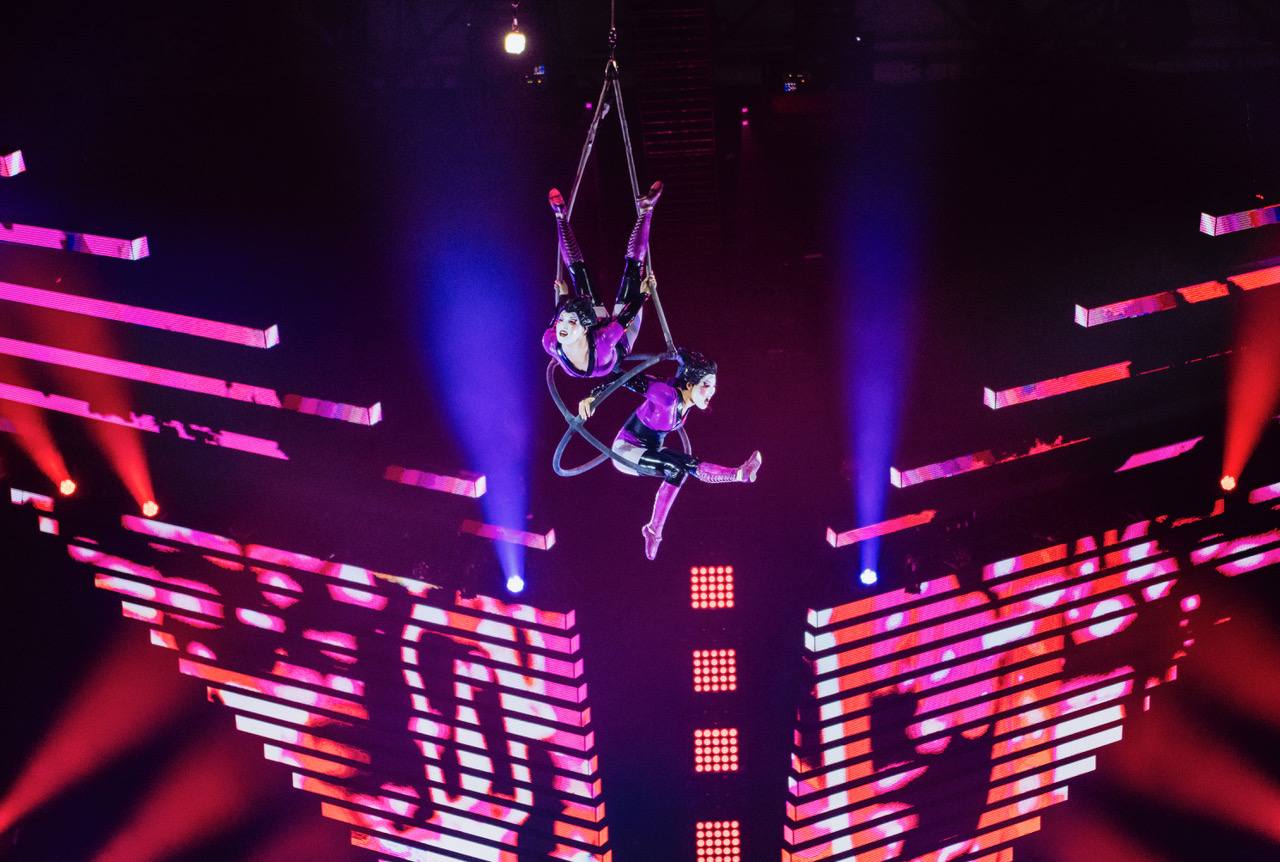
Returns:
(515, 39)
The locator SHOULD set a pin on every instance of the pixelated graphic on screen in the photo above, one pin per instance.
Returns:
(939, 724)
(438, 726)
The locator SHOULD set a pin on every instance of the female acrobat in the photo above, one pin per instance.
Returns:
(581, 339)
(666, 406)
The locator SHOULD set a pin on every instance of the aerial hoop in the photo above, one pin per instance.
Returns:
(576, 422)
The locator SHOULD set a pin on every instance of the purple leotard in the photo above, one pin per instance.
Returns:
(659, 415)
(602, 349)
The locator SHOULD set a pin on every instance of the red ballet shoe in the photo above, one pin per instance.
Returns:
(646, 203)
(557, 202)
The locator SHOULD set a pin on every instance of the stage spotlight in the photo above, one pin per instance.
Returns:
(67, 487)
(515, 584)
(1228, 483)
(150, 509)
(515, 39)
(868, 577)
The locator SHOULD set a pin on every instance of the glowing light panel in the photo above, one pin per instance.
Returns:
(969, 463)
(1162, 453)
(715, 670)
(541, 542)
(913, 696)
(12, 164)
(87, 243)
(715, 749)
(172, 379)
(1056, 386)
(719, 841)
(852, 537)
(466, 485)
(118, 311)
(438, 726)
(1218, 225)
(711, 587)
(144, 422)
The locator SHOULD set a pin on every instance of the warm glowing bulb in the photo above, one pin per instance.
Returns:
(150, 509)
(1228, 483)
(515, 40)
(67, 487)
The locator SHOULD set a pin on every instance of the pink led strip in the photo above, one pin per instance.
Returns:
(144, 422)
(47, 237)
(105, 310)
(189, 382)
(1167, 300)
(1218, 225)
(851, 537)
(506, 534)
(969, 463)
(12, 164)
(466, 485)
(1163, 453)
(1056, 386)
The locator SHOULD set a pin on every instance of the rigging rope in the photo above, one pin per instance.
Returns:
(576, 423)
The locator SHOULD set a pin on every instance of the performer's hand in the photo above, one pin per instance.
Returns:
(649, 284)
(562, 289)
(586, 407)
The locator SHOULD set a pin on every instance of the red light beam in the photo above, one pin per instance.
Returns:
(131, 694)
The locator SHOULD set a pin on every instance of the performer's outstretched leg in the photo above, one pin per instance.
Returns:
(637, 250)
(579, 281)
(714, 473)
(661, 506)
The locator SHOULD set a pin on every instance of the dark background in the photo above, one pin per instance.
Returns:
(294, 163)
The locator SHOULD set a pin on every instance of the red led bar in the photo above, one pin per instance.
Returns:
(118, 311)
(1163, 453)
(1169, 299)
(12, 164)
(1258, 278)
(466, 485)
(851, 537)
(968, 463)
(506, 534)
(47, 237)
(1218, 225)
(1056, 386)
(144, 422)
(189, 382)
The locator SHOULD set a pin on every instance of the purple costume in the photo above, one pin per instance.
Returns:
(606, 345)
(659, 415)
(610, 340)
(639, 443)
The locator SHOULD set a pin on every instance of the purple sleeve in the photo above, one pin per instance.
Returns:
(659, 408)
(549, 340)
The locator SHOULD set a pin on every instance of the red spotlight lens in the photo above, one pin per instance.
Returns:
(1228, 483)
(67, 487)
(150, 509)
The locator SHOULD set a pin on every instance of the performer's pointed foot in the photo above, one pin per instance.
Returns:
(557, 202)
(651, 541)
(646, 203)
(747, 472)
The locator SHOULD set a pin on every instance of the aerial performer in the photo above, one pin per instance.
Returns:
(639, 444)
(579, 339)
